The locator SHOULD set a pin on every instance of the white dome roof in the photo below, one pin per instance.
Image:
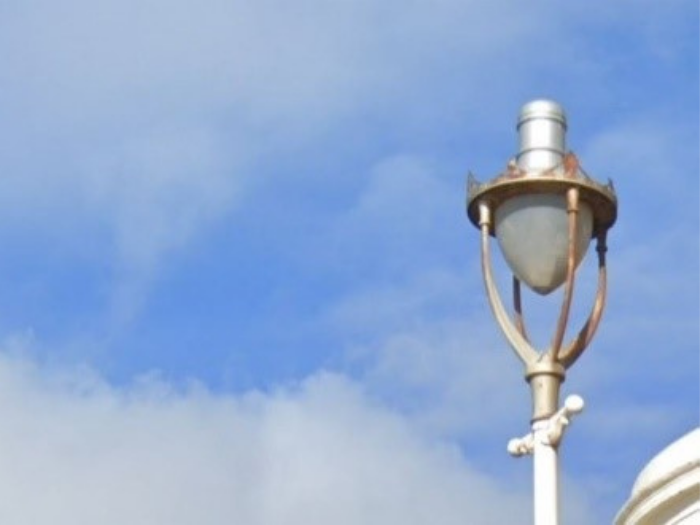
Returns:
(681, 455)
(666, 490)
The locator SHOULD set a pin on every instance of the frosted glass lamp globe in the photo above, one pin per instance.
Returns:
(533, 233)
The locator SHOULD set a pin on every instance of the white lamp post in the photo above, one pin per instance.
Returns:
(543, 210)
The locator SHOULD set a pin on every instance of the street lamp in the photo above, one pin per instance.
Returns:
(543, 210)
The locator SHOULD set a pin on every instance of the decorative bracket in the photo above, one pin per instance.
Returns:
(549, 431)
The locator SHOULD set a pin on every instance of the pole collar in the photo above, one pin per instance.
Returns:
(545, 379)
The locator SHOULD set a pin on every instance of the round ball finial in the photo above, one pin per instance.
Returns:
(516, 447)
(574, 404)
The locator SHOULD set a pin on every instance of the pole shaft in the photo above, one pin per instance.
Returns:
(546, 476)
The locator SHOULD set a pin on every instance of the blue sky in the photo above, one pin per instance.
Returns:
(239, 285)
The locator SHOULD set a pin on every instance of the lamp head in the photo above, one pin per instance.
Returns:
(529, 204)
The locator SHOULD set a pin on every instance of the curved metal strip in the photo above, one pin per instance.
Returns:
(572, 209)
(517, 306)
(574, 349)
(521, 347)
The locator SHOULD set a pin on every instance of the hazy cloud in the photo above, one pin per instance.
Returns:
(317, 452)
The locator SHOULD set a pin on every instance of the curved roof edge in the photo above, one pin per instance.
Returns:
(667, 479)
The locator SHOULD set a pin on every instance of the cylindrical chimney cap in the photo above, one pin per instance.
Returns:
(542, 109)
(542, 133)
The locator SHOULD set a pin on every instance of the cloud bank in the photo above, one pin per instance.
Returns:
(77, 451)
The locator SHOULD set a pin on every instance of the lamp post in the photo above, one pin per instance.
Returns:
(543, 210)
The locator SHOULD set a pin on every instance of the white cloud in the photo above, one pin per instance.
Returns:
(399, 216)
(76, 450)
(442, 372)
(264, 63)
(141, 123)
(133, 126)
(650, 157)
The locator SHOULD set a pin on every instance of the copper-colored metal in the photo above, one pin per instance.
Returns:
(576, 347)
(517, 306)
(522, 348)
(545, 378)
(572, 210)
(557, 180)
